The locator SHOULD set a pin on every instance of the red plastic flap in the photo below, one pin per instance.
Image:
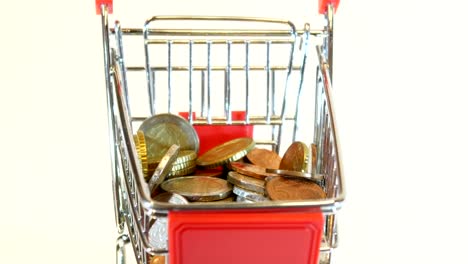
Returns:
(213, 135)
(323, 5)
(108, 3)
(247, 237)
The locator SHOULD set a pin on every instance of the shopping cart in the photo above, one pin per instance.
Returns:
(234, 76)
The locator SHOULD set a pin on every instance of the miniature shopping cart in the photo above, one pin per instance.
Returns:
(230, 77)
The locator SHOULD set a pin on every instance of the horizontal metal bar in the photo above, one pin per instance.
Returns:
(253, 120)
(221, 41)
(218, 32)
(213, 68)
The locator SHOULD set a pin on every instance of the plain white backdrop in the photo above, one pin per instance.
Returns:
(401, 102)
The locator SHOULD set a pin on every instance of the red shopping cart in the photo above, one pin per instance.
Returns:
(229, 77)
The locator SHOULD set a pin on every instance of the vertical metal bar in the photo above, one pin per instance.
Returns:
(122, 240)
(123, 69)
(169, 75)
(305, 48)
(190, 82)
(111, 120)
(150, 76)
(227, 99)
(268, 68)
(247, 70)
(329, 39)
(203, 93)
(274, 129)
(208, 87)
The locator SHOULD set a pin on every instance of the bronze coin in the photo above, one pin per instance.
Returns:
(264, 158)
(226, 152)
(295, 158)
(281, 189)
(199, 188)
(158, 259)
(246, 182)
(250, 170)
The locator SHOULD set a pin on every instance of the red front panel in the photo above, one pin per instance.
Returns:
(247, 237)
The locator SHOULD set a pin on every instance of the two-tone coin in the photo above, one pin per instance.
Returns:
(264, 158)
(229, 151)
(198, 188)
(283, 189)
(163, 130)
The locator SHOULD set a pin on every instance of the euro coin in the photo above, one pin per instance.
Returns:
(253, 196)
(164, 130)
(295, 158)
(283, 189)
(246, 182)
(199, 188)
(172, 198)
(226, 152)
(250, 170)
(264, 158)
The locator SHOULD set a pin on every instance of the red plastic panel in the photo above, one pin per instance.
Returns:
(213, 135)
(104, 2)
(323, 5)
(247, 237)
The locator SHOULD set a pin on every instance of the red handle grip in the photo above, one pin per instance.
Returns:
(108, 3)
(323, 5)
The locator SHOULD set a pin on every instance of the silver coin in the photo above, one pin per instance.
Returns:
(163, 130)
(241, 199)
(172, 198)
(158, 234)
(199, 188)
(246, 182)
(257, 197)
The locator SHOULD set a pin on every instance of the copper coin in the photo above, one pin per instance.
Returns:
(264, 158)
(208, 172)
(280, 189)
(295, 158)
(158, 259)
(246, 182)
(226, 152)
(250, 170)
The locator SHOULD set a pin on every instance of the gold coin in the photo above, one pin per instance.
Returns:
(264, 158)
(182, 172)
(295, 158)
(142, 153)
(199, 188)
(163, 130)
(246, 182)
(226, 152)
(281, 188)
(250, 170)
(225, 200)
(164, 168)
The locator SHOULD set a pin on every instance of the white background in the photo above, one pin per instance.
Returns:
(401, 101)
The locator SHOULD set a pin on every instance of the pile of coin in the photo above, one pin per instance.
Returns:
(236, 170)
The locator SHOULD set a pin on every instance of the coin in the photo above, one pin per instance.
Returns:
(246, 182)
(264, 158)
(241, 199)
(295, 158)
(208, 172)
(253, 196)
(281, 188)
(225, 200)
(142, 153)
(163, 130)
(158, 259)
(226, 152)
(250, 170)
(164, 168)
(181, 172)
(172, 198)
(158, 234)
(199, 188)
